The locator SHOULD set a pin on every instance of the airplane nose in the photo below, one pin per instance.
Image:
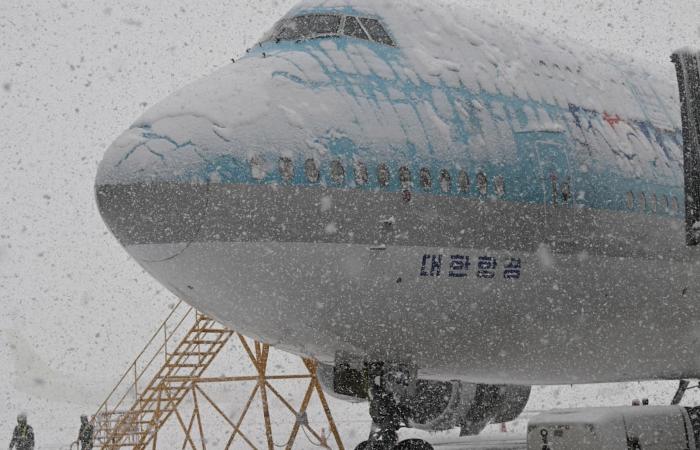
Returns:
(152, 185)
(147, 202)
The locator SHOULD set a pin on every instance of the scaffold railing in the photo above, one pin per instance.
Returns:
(144, 367)
(164, 392)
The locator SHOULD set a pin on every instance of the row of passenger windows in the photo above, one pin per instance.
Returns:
(314, 26)
(383, 176)
(652, 203)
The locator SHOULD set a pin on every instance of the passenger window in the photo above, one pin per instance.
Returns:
(377, 31)
(311, 171)
(257, 167)
(630, 200)
(445, 181)
(286, 168)
(463, 181)
(361, 174)
(405, 177)
(353, 29)
(566, 191)
(337, 172)
(642, 201)
(426, 179)
(500, 185)
(383, 175)
(482, 183)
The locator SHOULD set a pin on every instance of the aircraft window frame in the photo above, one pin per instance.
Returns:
(499, 184)
(445, 181)
(654, 203)
(361, 173)
(464, 184)
(482, 183)
(337, 172)
(311, 171)
(675, 206)
(257, 167)
(383, 175)
(426, 179)
(667, 203)
(285, 166)
(630, 200)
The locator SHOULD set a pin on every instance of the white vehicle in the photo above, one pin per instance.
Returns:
(437, 207)
(623, 428)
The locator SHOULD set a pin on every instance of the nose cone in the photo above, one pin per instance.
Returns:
(152, 204)
(152, 184)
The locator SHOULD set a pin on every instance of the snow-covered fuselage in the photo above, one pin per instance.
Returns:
(486, 205)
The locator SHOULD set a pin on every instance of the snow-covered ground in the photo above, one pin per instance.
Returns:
(73, 75)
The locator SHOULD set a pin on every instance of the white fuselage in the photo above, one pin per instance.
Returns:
(560, 259)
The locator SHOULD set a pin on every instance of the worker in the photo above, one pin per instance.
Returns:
(23, 436)
(86, 433)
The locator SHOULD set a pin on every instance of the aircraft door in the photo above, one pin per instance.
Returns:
(554, 172)
(548, 153)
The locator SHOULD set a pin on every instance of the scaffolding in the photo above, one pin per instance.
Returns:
(164, 398)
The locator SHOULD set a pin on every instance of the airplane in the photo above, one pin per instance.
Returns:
(441, 208)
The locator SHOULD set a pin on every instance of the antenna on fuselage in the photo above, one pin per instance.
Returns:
(688, 70)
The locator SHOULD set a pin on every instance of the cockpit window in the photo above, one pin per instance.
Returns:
(353, 29)
(308, 27)
(313, 26)
(377, 31)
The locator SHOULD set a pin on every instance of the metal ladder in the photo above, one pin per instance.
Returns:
(137, 426)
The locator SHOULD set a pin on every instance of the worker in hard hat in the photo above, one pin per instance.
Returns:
(23, 436)
(86, 435)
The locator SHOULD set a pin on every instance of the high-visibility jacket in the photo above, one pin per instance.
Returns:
(23, 438)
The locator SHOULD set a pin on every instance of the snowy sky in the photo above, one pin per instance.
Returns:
(73, 75)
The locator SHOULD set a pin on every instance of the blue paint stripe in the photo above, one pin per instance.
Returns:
(598, 187)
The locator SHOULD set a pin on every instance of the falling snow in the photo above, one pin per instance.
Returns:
(76, 308)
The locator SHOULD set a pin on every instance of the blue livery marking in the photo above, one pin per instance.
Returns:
(459, 265)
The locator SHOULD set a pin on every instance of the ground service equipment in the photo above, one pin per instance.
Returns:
(621, 428)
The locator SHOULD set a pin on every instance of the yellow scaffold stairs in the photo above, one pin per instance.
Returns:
(165, 401)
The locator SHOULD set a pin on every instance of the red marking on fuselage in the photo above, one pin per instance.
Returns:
(612, 120)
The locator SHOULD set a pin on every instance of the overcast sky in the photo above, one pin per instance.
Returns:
(73, 75)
